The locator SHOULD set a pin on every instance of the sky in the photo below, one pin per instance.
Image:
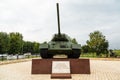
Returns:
(36, 20)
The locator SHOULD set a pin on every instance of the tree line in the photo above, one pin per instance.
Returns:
(13, 43)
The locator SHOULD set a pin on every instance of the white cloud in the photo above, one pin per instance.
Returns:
(37, 19)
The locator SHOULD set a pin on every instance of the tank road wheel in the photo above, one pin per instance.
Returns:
(44, 53)
(75, 54)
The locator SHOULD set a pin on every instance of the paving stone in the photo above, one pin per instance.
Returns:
(100, 70)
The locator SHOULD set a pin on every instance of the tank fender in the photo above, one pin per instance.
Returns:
(76, 46)
(43, 46)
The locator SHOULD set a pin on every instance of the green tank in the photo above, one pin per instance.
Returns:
(60, 44)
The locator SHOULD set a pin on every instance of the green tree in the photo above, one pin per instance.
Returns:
(4, 42)
(36, 47)
(85, 49)
(32, 47)
(45, 42)
(16, 43)
(27, 47)
(74, 41)
(98, 43)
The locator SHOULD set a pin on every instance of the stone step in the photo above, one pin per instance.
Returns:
(60, 76)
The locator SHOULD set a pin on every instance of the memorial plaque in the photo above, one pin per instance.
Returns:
(60, 67)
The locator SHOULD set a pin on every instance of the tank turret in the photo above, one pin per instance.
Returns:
(60, 44)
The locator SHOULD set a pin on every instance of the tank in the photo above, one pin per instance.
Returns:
(60, 44)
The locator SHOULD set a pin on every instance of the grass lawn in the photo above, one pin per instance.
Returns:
(93, 55)
(117, 52)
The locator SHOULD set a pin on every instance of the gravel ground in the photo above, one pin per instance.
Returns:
(100, 70)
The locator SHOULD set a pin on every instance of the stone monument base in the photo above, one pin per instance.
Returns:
(44, 66)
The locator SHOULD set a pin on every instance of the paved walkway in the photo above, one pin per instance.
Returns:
(100, 70)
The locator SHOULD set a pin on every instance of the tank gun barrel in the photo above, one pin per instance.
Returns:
(58, 18)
